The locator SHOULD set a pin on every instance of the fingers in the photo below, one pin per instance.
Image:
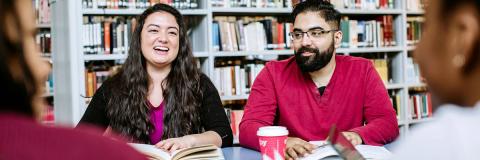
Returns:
(353, 137)
(299, 150)
(172, 144)
(174, 147)
(165, 144)
(292, 153)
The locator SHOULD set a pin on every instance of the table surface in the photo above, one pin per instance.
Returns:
(234, 153)
(240, 153)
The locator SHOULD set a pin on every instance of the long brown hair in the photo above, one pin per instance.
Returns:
(18, 84)
(127, 106)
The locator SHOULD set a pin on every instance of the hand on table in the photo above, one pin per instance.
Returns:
(297, 147)
(353, 137)
(173, 144)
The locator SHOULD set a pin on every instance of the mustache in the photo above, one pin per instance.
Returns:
(307, 49)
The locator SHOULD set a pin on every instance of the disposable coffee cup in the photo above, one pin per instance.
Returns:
(273, 140)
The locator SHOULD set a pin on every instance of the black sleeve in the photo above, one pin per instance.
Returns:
(213, 114)
(96, 113)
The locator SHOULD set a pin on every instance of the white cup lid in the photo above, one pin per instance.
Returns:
(272, 131)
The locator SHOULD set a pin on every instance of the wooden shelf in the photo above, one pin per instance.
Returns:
(231, 98)
(419, 12)
(244, 10)
(373, 12)
(137, 11)
(394, 86)
(370, 50)
(251, 53)
(100, 57)
(417, 121)
(44, 26)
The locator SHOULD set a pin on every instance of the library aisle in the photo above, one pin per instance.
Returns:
(87, 41)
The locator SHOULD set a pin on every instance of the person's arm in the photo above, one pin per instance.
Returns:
(214, 121)
(380, 118)
(260, 109)
(96, 113)
(213, 115)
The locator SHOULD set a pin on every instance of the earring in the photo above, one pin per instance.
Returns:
(458, 60)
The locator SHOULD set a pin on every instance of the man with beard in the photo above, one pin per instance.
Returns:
(315, 88)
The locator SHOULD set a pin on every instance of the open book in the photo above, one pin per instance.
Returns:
(368, 152)
(198, 153)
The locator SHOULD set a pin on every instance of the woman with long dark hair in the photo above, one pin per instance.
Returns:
(159, 96)
(22, 75)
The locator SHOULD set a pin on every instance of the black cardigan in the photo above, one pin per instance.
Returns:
(212, 114)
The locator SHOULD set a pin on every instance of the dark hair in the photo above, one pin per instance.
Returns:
(446, 6)
(127, 107)
(18, 84)
(325, 9)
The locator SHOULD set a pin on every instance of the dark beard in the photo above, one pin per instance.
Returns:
(314, 62)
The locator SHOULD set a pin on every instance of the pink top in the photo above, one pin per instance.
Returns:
(355, 100)
(22, 138)
(156, 116)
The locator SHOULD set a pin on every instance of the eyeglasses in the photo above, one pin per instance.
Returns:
(314, 34)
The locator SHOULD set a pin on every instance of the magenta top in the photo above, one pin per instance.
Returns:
(156, 116)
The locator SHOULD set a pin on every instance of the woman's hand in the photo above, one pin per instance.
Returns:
(173, 144)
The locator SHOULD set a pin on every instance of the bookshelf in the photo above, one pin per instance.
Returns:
(69, 73)
(43, 40)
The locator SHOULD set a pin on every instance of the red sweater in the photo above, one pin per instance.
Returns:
(282, 95)
(22, 138)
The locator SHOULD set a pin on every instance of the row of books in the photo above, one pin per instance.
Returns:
(48, 117)
(94, 80)
(44, 41)
(138, 4)
(250, 33)
(49, 85)
(396, 99)
(234, 77)
(42, 11)
(364, 4)
(368, 33)
(381, 65)
(414, 29)
(96, 75)
(420, 105)
(416, 5)
(107, 35)
(252, 3)
(413, 72)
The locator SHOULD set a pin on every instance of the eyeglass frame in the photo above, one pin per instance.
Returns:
(323, 32)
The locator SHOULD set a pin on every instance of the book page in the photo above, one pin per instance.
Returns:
(198, 151)
(373, 152)
(367, 151)
(324, 150)
(151, 151)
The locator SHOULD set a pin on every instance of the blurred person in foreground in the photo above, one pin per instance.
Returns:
(449, 58)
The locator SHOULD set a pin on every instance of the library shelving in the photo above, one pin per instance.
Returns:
(43, 38)
(71, 66)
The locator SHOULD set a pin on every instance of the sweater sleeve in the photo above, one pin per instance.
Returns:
(96, 113)
(213, 114)
(380, 118)
(260, 109)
